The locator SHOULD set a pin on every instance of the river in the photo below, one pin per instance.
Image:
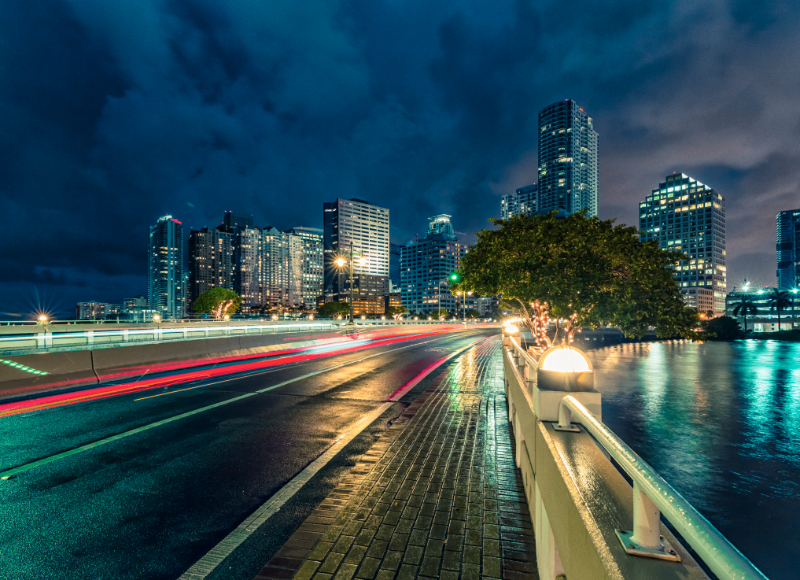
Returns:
(719, 421)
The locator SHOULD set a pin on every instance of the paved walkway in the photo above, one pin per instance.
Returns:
(437, 496)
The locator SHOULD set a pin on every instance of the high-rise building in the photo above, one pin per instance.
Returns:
(210, 261)
(311, 263)
(394, 265)
(788, 248)
(524, 201)
(247, 259)
(91, 310)
(366, 227)
(686, 216)
(425, 266)
(165, 276)
(568, 161)
(232, 220)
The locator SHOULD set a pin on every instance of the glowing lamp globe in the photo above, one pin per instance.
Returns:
(565, 368)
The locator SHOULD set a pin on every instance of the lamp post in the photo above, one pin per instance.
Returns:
(362, 261)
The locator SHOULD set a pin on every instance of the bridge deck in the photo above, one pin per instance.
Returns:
(437, 495)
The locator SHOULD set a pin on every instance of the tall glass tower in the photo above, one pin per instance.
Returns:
(568, 162)
(166, 284)
(686, 216)
(788, 248)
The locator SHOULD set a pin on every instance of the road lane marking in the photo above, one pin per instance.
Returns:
(7, 474)
(208, 563)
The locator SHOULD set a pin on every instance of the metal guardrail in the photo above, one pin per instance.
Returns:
(652, 495)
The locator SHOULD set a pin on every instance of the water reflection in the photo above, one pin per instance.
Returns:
(721, 422)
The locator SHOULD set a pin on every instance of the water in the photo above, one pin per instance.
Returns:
(721, 423)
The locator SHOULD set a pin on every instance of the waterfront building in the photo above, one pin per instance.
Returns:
(686, 216)
(133, 304)
(524, 201)
(568, 160)
(366, 227)
(211, 262)
(766, 318)
(166, 292)
(310, 256)
(247, 259)
(394, 265)
(788, 248)
(425, 266)
(91, 310)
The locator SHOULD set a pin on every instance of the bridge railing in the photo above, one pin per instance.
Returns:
(51, 336)
(588, 520)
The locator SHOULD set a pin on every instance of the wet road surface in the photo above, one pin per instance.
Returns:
(151, 504)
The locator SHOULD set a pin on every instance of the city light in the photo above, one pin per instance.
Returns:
(311, 317)
(339, 262)
(156, 317)
(274, 317)
(362, 261)
(227, 317)
(564, 360)
(42, 318)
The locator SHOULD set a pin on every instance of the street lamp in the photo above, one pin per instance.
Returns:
(340, 262)
(156, 317)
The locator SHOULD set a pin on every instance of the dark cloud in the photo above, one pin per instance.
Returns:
(114, 113)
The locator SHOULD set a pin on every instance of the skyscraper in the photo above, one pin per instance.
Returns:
(524, 201)
(364, 225)
(210, 261)
(425, 266)
(788, 248)
(686, 216)
(165, 280)
(568, 160)
(394, 265)
(247, 259)
(310, 257)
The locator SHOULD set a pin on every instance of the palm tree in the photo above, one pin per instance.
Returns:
(778, 301)
(744, 308)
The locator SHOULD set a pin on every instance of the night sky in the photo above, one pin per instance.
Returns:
(114, 113)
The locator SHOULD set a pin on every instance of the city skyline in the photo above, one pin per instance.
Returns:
(106, 131)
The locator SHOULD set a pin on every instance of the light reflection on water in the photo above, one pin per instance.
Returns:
(721, 423)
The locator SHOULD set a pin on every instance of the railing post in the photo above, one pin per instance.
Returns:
(646, 520)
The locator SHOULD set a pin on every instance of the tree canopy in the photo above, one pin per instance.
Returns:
(583, 271)
(396, 311)
(218, 301)
(334, 309)
(722, 328)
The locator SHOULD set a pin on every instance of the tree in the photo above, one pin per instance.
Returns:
(440, 314)
(396, 311)
(334, 309)
(584, 272)
(779, 301)
(745, 308)
(218, 301)
(473, 314)
(722, 328)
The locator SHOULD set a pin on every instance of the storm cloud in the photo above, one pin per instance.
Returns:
(115, 113)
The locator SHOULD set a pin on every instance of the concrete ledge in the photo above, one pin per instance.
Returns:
(578, 498)
(64, 370)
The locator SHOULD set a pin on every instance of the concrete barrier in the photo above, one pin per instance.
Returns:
(19, 375)
(577, 497)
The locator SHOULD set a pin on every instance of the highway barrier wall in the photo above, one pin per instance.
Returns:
(30, 374)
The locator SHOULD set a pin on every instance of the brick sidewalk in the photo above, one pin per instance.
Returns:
(437, 496)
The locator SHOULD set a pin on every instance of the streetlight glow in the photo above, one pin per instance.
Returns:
(156, 317)
(339, 262)
(362, 261)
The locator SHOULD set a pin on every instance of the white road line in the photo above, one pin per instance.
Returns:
(208, 563)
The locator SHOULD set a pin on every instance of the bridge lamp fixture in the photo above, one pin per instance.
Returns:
(383, 318)
(156, 317)
(363, 317)
(274, 317)
(794, 290)
(564, 359)
(311, 317)
(339, 317)
(339, 262)
(227, 317)
(42, 318)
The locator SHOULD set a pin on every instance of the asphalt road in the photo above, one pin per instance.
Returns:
(151, 504)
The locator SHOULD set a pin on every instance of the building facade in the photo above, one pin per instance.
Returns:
(394, 265)
(788, 248)
(364, 227)
(766, 318)
(524, 201)
(425, 267)
(568, 160)
(166, 292)
(247, 260)
(211, 262)
(310, 257)
(686, 216)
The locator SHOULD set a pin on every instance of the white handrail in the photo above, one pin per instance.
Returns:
(722, 557)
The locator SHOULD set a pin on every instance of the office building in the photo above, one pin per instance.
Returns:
(166, 293)
(91, 310)
(788, 248)
(766, 318)
(425, 267)
(311, 267)
(524, 201)
(394, 265)
(364, 227)
(568, 160)
(231, 221)
(247, 272)
(686, 216)
(211, 262)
